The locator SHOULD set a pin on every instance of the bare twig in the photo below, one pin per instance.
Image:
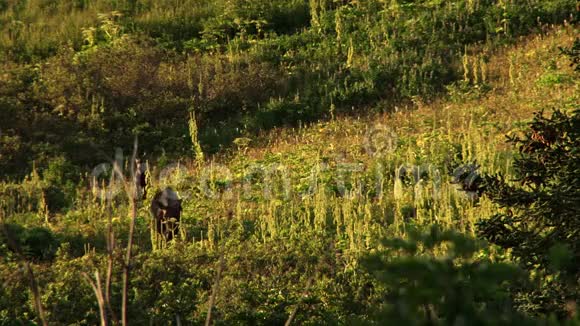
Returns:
(297, 307)
(96, 285)
(214, 290)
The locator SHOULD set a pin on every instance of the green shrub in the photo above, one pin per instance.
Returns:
(35, 243)
(439, 278)
(60, 180)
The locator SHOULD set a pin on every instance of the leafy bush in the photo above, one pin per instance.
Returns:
(14, 309)
(459, 287)
(36, 243)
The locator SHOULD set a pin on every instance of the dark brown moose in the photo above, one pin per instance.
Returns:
(166, 211)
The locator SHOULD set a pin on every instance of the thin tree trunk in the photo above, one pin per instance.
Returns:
(29, 271)
(35, 294)
(127, 265)
(130, 189)
(110, 260)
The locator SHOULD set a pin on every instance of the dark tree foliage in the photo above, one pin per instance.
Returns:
(540, 220)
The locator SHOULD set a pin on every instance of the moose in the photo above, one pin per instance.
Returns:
(166, 212)
(141, 178)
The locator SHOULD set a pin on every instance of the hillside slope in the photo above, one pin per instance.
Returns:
(68, 90)
(470, 125)
(278, 226)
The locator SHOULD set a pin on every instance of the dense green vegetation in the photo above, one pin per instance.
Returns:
(242, 66)
(340, 162)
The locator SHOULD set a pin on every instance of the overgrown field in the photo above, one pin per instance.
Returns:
(319, 148)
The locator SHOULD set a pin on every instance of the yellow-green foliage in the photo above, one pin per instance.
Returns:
(291, 212)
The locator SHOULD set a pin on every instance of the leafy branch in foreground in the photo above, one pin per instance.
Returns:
(437, 278)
